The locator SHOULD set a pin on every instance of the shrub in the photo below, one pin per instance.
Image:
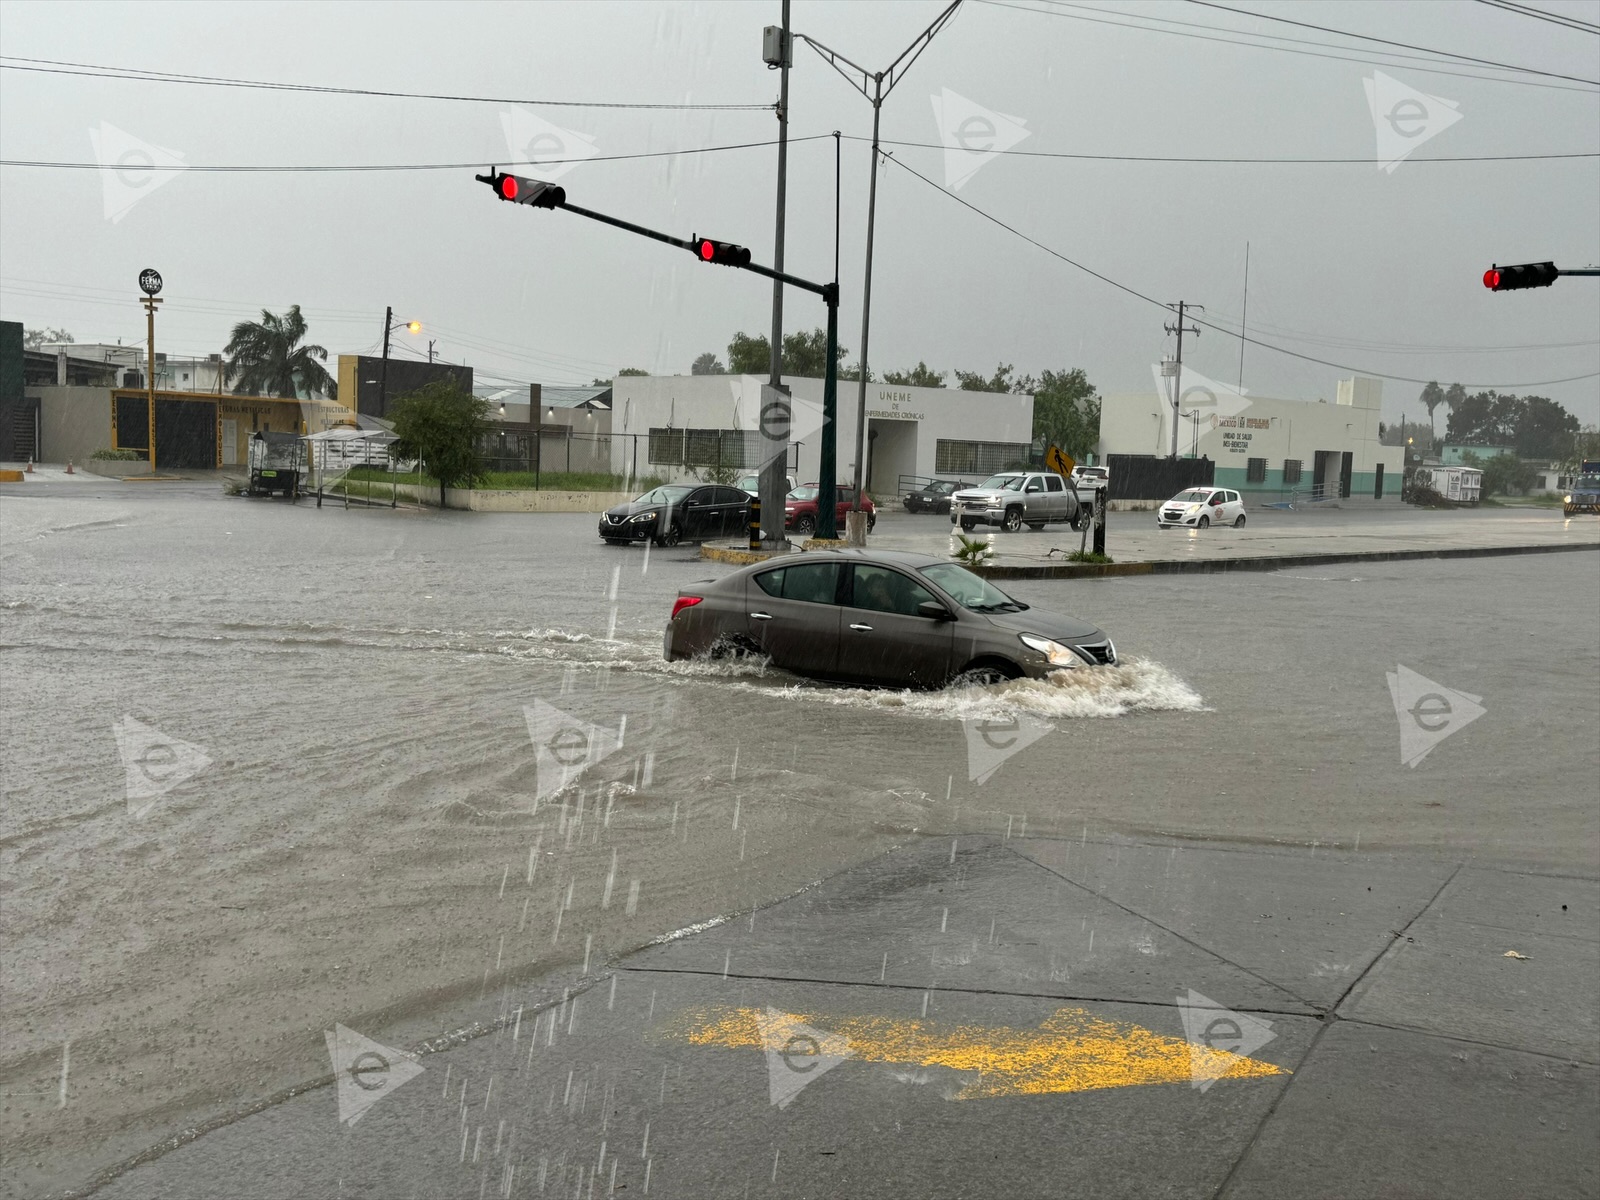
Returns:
(104, 455)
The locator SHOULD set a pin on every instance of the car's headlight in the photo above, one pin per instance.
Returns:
(649, 516)
(1567, 500)
(1057, 654)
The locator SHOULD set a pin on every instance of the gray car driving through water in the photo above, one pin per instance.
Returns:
(882, 618)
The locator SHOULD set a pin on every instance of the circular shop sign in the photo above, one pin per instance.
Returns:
(149, 281)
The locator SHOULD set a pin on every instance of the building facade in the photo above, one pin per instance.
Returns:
(1264, 446)
(365, 387)
(678, 427)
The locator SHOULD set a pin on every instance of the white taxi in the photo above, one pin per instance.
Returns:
(1198, 508)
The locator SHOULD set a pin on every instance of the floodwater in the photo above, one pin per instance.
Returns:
(270, 769)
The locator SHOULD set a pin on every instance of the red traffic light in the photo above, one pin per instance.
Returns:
(1523, 275)
(519, 189)
(723, 253)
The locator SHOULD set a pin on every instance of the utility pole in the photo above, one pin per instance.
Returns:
(774, 424)
(430, 350)
(1180, 329)
(383, 375)
(150, 285)
(881, 84)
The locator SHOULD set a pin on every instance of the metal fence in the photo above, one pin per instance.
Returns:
(1140, 477)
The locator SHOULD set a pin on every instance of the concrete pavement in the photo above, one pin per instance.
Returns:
(1003, 1017)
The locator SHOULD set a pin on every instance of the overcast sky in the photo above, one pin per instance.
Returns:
(1372, 269)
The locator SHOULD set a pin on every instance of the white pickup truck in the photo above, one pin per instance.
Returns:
(1013, 499)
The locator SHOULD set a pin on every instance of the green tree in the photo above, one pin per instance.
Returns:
(1545, 429)
(921, 375)
(620, 374)
(267, 358)
(443, 425)
(1582, 447)
(804, 355)
(1000, 381)
(708, 364)
(1503, 474)
(1432, 398)
(34, 339)
(1066, 411)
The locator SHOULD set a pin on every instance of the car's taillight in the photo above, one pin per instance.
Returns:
(683, 602)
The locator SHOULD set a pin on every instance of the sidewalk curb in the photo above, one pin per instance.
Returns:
(1275, 562)
(1207, 566)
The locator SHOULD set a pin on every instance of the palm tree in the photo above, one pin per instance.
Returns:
(265, 358)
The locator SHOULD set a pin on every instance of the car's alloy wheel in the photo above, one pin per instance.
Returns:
(1239, 524)
(805, 525)
(671, 537)
(966, 526)
(1205, 522)
(986, 675)
(1076, 522)
(1012, 521)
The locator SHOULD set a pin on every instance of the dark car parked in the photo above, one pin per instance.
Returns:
(800, 508)
(935, 497)
(886, 618)
(676, 513)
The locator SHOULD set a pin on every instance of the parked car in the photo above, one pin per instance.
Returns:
(884, 618)
(1088, 478)
(1013, 499)
(675, 513)
(934, 497)
(1200, 507)
(752, 484)
(800, 509)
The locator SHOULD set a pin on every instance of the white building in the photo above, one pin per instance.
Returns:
(174, 373)
(1263, 445)
(676, 425)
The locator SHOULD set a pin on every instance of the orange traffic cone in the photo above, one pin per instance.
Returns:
(69, 467)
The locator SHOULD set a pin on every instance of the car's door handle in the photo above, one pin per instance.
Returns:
(863, 628)
(761, 616)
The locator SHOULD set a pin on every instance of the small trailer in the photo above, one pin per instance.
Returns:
(1459, 485)
(277, 461)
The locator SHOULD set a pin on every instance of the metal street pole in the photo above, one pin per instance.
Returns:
(893, 74)
(772, 485)
(828, 468)
(150, 303)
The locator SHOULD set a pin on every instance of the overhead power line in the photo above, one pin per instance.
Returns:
(1151, 300)
(1155, 158)
(1467, 58)
(1539, 14)
(1138, 21)
(346, 167)
(50, 66)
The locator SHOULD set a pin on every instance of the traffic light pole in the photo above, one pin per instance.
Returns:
(771, 482)
(549, 196)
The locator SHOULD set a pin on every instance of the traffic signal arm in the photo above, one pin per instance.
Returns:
(539, 194)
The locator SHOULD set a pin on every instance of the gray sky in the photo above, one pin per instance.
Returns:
(1372, 269)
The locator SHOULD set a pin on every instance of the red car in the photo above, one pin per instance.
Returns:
(800, 509)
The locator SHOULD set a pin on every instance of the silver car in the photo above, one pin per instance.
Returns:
(885, 618)
(1013, 499)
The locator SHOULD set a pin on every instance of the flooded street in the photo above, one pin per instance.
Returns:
(374, 823)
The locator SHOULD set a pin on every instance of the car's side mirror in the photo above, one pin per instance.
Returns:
(933, 610)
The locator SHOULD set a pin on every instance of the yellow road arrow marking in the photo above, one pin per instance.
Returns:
(1072, 1051)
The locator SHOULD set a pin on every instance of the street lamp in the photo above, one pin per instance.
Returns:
(882, 83)
(389, 326)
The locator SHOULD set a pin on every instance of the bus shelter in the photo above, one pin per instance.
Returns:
(335, 452)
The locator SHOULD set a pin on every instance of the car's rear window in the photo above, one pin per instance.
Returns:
(816, 583)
